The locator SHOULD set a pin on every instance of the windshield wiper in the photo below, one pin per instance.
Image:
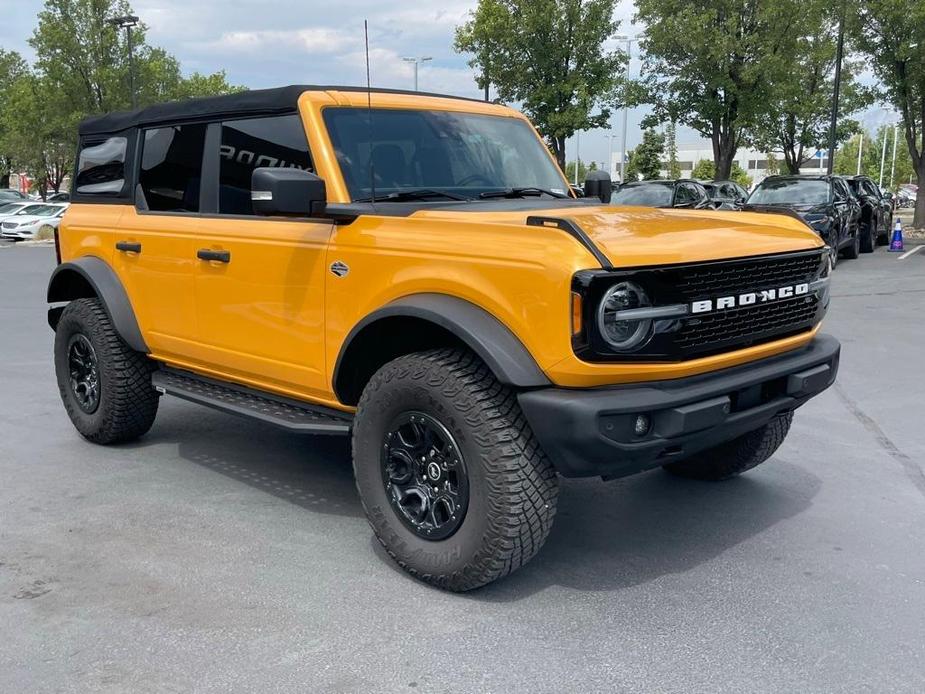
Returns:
(522, 192)
(414, 194)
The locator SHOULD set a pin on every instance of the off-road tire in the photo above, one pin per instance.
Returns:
(512, 485)
(868, 237)
(127, 400)
(734, 457)
(852, 251)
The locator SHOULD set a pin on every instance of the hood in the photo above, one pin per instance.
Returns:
(639, 236)
(24, 219)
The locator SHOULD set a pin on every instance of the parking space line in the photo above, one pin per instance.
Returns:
(910, 252)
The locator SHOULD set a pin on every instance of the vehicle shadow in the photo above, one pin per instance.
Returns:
(313, 472)
(610, 536)
(606, 536)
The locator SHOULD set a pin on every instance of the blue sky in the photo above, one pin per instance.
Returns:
(273, 42)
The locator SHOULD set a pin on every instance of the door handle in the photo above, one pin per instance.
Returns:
(217, 256)
(128, 247)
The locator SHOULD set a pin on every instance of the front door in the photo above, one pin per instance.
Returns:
(259, 281)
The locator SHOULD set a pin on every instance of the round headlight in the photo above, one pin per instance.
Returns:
(621, 334)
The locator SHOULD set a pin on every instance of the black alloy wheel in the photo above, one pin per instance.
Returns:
(424, 475)
(83, 368)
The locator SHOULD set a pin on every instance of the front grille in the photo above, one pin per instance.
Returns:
(704, 281)
(720, 330)
(748, 325)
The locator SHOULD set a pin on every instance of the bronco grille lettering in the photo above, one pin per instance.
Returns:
(763, 296)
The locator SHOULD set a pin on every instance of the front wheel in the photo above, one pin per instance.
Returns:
(734, 457)
(453, 483)
(853, 250)
(105, 385)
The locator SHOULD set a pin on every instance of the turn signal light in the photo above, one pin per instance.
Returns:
(576, 313)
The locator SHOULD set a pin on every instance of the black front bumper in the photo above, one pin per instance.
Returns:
(591, 432)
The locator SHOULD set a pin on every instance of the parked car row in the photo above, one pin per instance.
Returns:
(850, 213)
(20, 221)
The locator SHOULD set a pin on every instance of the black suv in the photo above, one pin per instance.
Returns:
(680, 193)
(824, 202)
(726, 195)
(876, 212)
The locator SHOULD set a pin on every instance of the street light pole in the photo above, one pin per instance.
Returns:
(127, 22)
(860, 151)
(629, 54)
(417, 60)
(893, 166)
(838, 60)
(886, 136)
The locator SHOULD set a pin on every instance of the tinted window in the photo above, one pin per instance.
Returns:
(9, 207)
(277, 142)
(464, 153)
(790, 191)
(651, 195)
(171, 168)
(101, 167)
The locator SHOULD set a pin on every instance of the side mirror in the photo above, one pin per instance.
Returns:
(287, 192)
(599, 185)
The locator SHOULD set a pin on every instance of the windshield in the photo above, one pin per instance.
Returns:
(40, 210)
(463, 154)
(650, 195)
(10, 207)
(790, 191)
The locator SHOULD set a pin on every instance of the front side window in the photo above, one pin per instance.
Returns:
(790, 191)
(101, 167)
(277, 142)
(171, 168)
(464, 154)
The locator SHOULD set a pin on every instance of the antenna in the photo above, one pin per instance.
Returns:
(369, 112)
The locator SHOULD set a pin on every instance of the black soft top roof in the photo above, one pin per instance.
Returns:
(258, 101)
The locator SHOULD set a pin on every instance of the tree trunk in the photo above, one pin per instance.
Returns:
(724, 152)
(918, 219)
(558, 148)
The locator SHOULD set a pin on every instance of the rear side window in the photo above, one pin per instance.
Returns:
(277, 142)
(101, 167)
(171, 168)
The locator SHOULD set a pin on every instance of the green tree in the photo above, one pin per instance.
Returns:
(646, 160)
(892, 34)
(797, 118)
(582, 171)
(710, 64)
(548, 55)
(12, 67)
(705, 170)
(81, 68)
(872, 155)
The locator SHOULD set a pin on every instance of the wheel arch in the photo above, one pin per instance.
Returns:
(425, 321)
(90, 277)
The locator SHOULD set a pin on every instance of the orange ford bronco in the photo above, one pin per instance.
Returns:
(414, 271)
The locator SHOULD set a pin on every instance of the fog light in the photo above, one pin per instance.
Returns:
(641, 427)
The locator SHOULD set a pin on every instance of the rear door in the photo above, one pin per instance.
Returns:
(155, 247)
(260, 280)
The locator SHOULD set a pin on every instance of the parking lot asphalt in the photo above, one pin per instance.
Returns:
(221, 555)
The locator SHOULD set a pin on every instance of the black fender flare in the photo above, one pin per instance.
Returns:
(472, 325)
(89, 277)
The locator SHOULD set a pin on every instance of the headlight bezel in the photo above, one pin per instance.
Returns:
(641, 327)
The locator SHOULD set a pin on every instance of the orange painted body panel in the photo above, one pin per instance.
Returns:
(276, 318)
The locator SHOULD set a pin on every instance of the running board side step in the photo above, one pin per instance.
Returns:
(287, 413)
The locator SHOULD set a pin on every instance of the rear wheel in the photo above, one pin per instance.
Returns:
(105, 385)
(734, 457)
(451, 478)
(868, 238)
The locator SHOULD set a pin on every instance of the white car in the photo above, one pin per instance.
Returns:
(26, 223)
